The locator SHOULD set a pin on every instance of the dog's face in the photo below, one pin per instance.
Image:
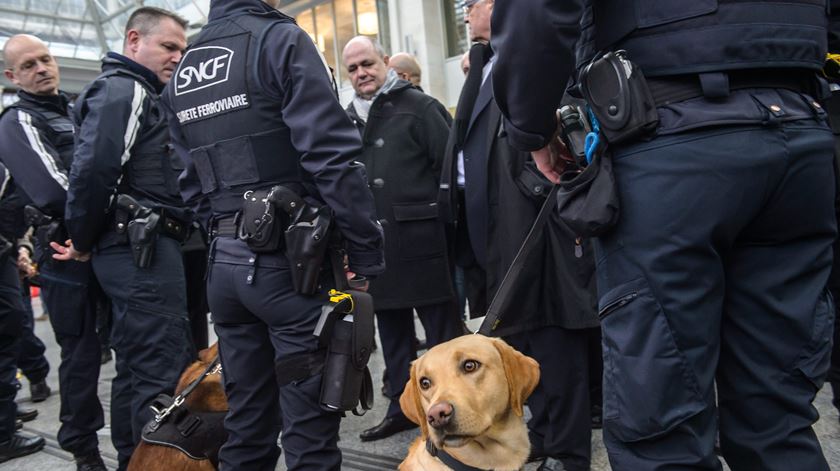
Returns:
(460, 389)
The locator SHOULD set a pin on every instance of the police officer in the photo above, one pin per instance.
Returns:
(12, 443)
(252, 107)
(36, 144)
(715, 272)
(122, 149)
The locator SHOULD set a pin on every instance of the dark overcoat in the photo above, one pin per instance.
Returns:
(557, 285)
(404, 139)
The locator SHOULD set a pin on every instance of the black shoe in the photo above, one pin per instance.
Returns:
(106, 356)
(389, 426)
(40, 391)
(552, 464)
(91, 462)
(19, 445)
(18, 425)
(25, 415)
(597, 417)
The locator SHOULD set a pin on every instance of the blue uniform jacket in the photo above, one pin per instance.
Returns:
(31, 158)
(109, 117)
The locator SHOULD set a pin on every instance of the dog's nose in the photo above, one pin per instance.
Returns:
(440, 414)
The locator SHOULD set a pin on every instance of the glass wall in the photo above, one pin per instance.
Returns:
(457, 39)
(332, 23)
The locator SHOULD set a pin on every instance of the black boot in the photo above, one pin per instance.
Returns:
(19, 445)
(90, 462)
(40, 391)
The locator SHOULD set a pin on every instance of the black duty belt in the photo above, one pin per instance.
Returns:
(676, 88)
(173, 227)
(224, 227)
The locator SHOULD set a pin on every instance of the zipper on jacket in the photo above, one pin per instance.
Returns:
(617, 304)
(578, 248)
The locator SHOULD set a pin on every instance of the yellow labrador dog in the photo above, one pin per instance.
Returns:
(467, 396)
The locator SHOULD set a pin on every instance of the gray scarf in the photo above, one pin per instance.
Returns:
(362, 106)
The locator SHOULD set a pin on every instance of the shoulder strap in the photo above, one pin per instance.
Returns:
(495, 310)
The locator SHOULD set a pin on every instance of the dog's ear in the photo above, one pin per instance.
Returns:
(522, 372)
(410, 401)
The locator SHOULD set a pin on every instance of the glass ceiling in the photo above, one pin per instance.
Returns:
(84, 29)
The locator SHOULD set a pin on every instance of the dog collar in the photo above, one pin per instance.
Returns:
(449, 460)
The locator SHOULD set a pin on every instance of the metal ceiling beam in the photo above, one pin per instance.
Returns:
(93, 11)
(49, 16)
(119, 11)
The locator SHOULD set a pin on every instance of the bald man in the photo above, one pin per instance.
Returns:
(406, 67)
(36, 145)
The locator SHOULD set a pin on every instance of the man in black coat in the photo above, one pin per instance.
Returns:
(553, 319)
(403, 133)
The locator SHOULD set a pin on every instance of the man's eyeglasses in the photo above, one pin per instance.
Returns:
(468, 8)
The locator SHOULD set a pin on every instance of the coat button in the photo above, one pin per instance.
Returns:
(378, 183)
(379, 142)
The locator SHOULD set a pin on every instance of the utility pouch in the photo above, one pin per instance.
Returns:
(346, 330)
(618, 94)
(259, 225)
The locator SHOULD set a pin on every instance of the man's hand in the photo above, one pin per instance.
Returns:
(67, 252)
(24, 263)
(552, 159)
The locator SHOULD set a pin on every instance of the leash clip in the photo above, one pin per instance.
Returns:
(162, 414)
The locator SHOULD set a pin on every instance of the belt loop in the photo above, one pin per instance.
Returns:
(714, 84)
(211, 256)
(252, 273)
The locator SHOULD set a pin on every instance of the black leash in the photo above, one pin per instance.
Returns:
(495, 310)
(448, 459)
(213, 368)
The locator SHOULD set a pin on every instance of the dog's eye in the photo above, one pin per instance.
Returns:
(425, 383)
(470, 365)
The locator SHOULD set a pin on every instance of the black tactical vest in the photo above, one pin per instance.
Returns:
(672, 37)
(232, 124)
(58, 126)
(152, 171)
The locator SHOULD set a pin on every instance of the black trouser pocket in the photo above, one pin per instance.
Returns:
(815, 359)
(67, 303)
(649, 386)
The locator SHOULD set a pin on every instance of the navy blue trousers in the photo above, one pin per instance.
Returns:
(441, 322)
(68, 290)
(150, 334)
(560, 426)
(31, 359)
(715, 276)
(260, 320)
(11, 326)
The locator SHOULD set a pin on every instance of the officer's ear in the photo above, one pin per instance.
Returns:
(132, 42)
(10, 76)
(386, 59)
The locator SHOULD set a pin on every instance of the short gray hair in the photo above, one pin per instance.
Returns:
(145, 19)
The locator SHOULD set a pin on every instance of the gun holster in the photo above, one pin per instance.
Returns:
(47, 229)
(142, 235)
(346, 330)
(307, 240)
(618, 94)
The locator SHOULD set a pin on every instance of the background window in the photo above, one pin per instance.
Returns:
(457, 40)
